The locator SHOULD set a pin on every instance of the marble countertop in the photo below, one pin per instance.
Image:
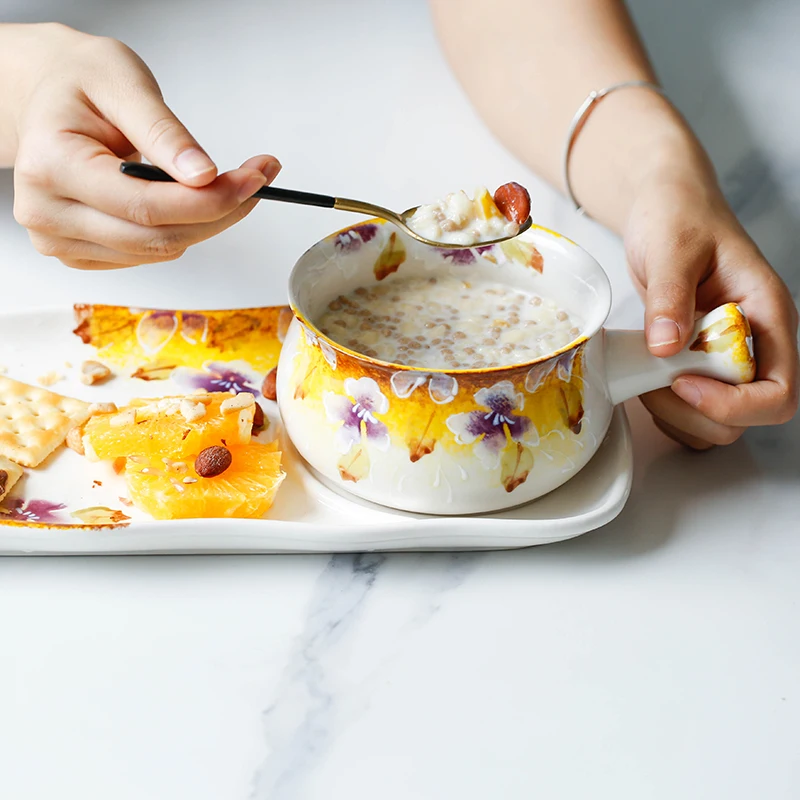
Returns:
(656, 658)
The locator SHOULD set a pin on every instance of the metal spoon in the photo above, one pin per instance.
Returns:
(150, 173)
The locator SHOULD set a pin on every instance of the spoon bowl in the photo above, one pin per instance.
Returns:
(401, 221)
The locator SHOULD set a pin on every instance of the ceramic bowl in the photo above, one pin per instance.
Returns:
(471, 440)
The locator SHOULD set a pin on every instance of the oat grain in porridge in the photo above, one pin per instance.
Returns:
(457, 219)
(448, 323)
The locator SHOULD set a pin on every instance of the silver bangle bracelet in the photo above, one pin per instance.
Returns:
(582, 114)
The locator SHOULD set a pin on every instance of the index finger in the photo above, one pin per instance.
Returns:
(99, 183)
(128, 96)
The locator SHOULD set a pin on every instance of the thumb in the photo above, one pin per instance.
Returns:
(152, 128)
(672, 275)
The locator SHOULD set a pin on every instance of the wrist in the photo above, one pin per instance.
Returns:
(632, 139)
(26, 51)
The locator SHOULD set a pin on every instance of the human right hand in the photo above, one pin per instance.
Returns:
(89, 103)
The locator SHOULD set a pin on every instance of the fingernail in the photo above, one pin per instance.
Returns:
(250, 187)
(271, 170)
(193, 162)
(688, 392)
(663, 331)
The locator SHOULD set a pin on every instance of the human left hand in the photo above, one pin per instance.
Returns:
(688, 253)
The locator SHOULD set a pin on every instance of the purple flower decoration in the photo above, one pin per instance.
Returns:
(216, 376)
(459, 255)
(366, 232)
(21, 510)
(347, 242)
(356, 411)
(351, 239)
(489, 428)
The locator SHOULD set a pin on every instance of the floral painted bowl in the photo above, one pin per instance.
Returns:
(466, 441)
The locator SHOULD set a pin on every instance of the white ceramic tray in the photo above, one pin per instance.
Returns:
(49, 506)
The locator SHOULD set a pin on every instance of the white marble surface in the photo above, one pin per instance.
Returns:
(658, 658)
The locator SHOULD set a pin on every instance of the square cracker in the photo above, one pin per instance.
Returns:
(10, 473)
(34, 421)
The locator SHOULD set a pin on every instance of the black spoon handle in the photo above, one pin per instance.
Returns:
(150, 173)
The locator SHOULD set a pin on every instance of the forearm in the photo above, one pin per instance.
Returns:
(23, 54)
(527, 66)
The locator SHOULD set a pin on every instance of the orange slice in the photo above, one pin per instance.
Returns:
(172, 427)
(485, 205)
(168, 489)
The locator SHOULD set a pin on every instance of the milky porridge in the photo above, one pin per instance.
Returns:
(448, 323)
(460, 220)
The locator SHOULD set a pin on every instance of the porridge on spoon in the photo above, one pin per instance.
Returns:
(457, 219)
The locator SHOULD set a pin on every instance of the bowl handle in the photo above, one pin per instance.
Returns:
(721, 347)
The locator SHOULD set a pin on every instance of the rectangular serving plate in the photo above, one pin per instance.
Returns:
(307, 516)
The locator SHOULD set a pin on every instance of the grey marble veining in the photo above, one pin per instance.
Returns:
(298, 725)
(313, 700)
